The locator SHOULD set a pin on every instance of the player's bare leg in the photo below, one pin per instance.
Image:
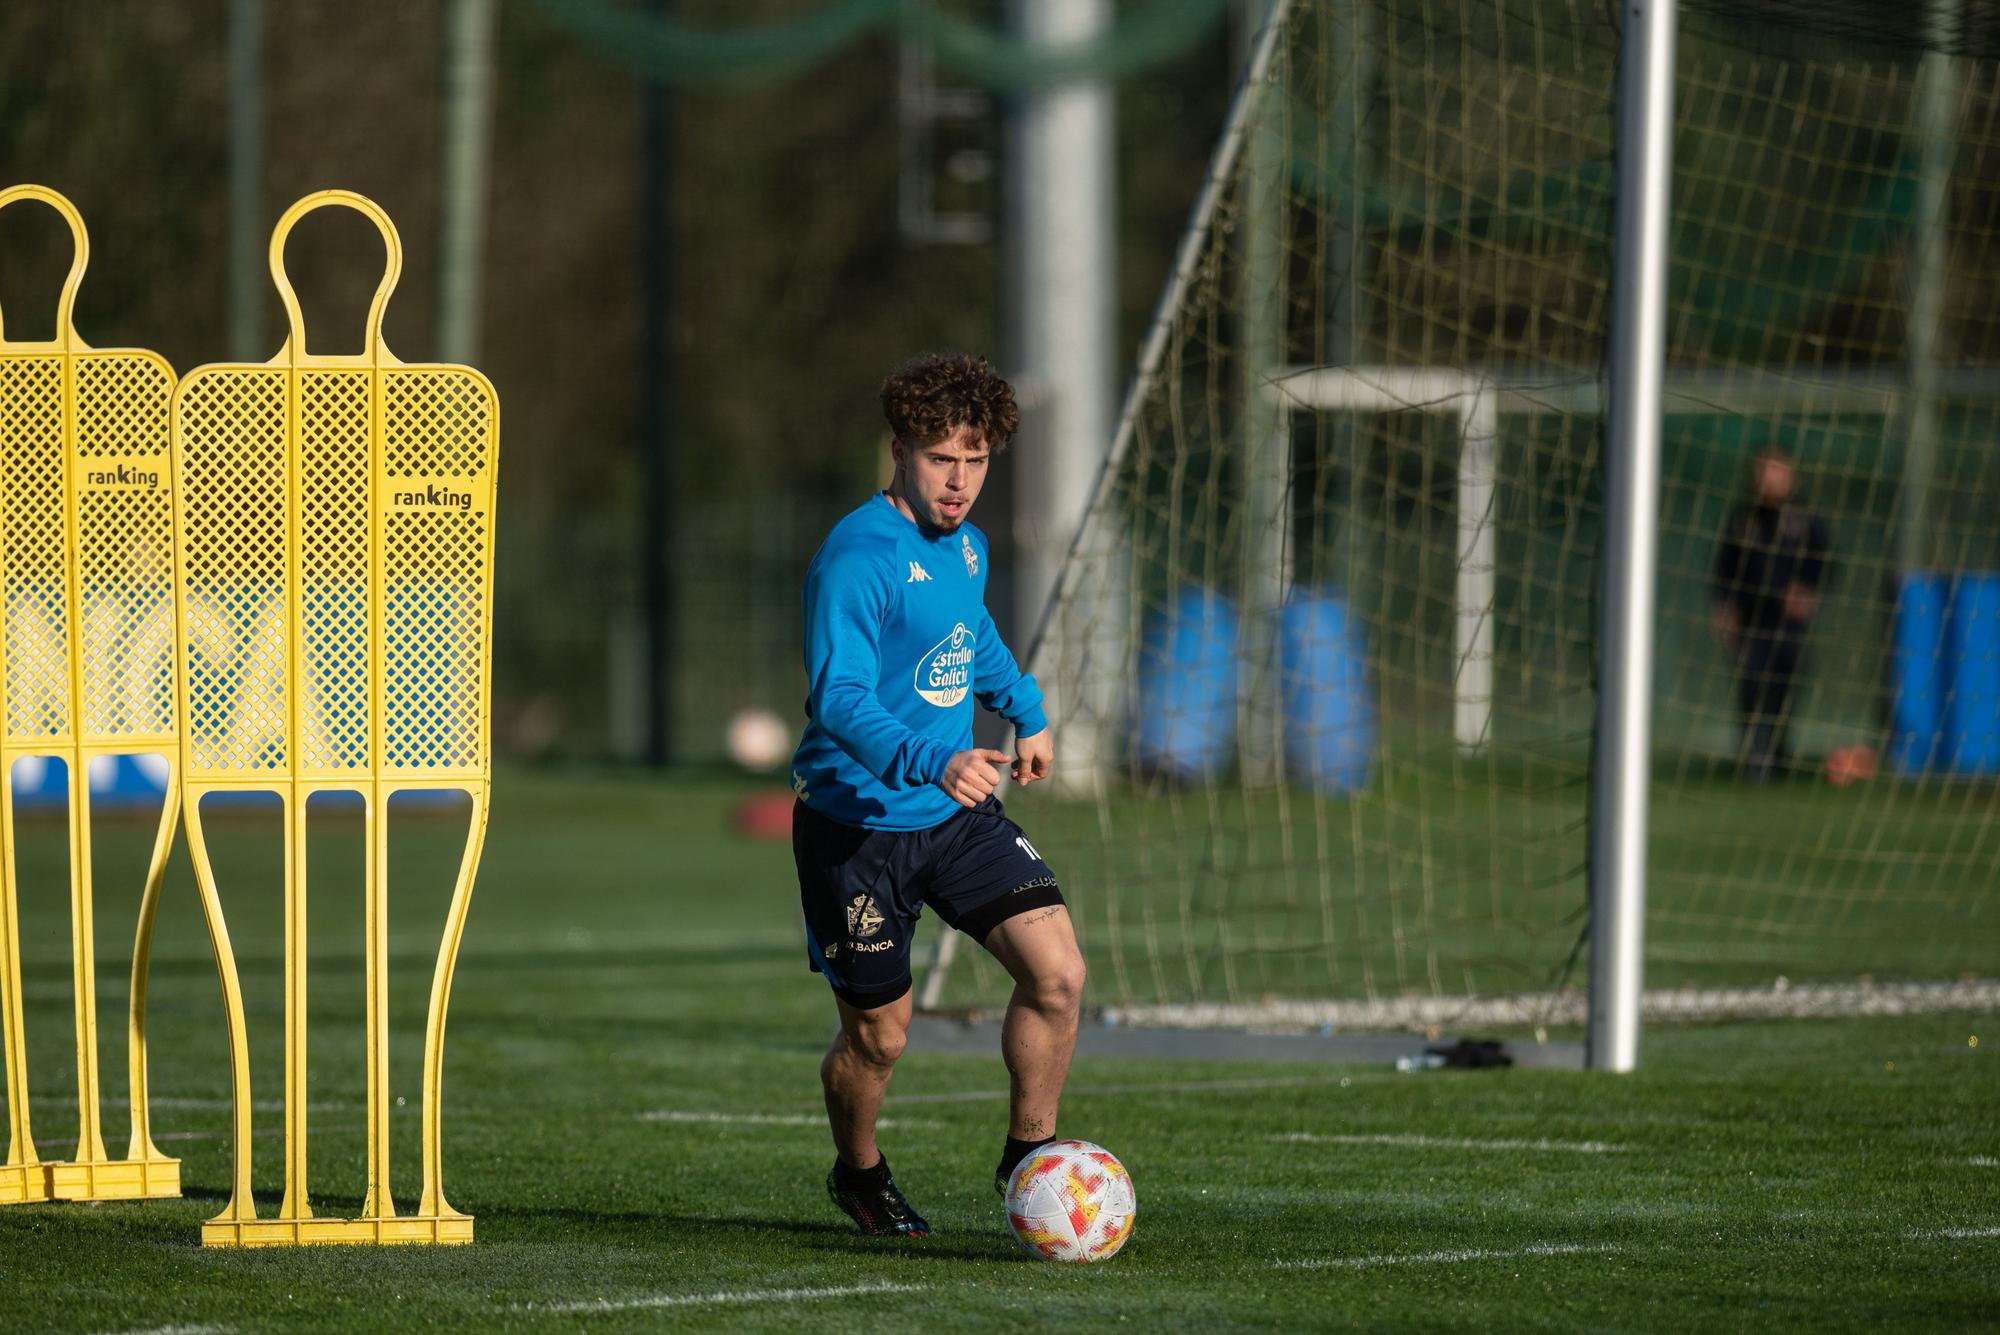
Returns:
(856, 1075)
(1037, 1038)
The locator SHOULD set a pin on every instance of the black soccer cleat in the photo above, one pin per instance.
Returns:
(878, 1207)
(1013, 1156)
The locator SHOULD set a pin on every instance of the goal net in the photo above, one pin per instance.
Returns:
(1322, 657)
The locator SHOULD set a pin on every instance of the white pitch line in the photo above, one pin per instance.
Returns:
(1453, 1143)
(257, 1105)
(219, 1135)
(725, 1298)
(1934, 1234)
(1457, 1257)
(175, 1330)
(766, 1119)
(1185, 1087)
(1984, 1161)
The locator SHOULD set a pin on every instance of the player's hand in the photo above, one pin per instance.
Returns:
(1032, 757)
(1800, 602)
(970, 776)
(1726, 623)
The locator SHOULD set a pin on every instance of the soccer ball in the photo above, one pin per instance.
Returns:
(758, 740)
(1072, 1201)
(1849, 764)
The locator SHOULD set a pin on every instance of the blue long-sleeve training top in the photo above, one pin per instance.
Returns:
(898, 646)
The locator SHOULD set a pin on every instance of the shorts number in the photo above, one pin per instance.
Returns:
(1027, 847)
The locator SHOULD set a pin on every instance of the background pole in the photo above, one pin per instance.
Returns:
(468, 143)
(249, 230)
(1265, 432)
(655, 438)
(1937, 94)
(1062, 264)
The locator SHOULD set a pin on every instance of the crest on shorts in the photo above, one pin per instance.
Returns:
(971, 556)
(863, 919)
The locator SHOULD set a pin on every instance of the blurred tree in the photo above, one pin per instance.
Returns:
(795, 294)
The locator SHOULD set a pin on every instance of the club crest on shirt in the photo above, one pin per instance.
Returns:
(944, 674)
(971, 556)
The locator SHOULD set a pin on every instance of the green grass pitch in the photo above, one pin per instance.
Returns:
(632, 1116)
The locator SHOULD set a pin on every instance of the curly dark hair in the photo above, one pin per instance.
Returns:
(926, 399)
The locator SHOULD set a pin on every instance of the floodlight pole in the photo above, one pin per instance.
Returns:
(468, 148)
(249, 230)
(1631, 534)
(1061, 238)
(656, 442)
(1265, 435)
(1937, 97)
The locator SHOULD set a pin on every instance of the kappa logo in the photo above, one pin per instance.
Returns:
(944, 674)
(863, 918)
(917, 574)
(971, 556)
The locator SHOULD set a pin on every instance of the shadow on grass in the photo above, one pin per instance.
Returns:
(638, 1228)
(731, 1232)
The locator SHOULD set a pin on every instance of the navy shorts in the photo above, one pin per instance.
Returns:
(863, 890)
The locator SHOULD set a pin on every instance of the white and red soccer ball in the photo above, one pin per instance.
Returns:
(758, 740)
(1850, 764)
(1072, 1201)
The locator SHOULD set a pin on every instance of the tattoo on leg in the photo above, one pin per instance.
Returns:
(1043, 916)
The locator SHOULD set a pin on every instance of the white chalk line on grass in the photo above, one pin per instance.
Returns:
(257, 1105)
(175, 1330)
(174, 1101)
(1177, 1087)
(1457, 1256)
(1957, 1234)
(1452, 1143)
(724, 1298)
(1983, 1161)
(768, 1119)
(338, 1129)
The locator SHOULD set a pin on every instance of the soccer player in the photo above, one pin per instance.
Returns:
(897, 808)
(1768, 569)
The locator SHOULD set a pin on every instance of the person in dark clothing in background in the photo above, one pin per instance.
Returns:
(1769, 567)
